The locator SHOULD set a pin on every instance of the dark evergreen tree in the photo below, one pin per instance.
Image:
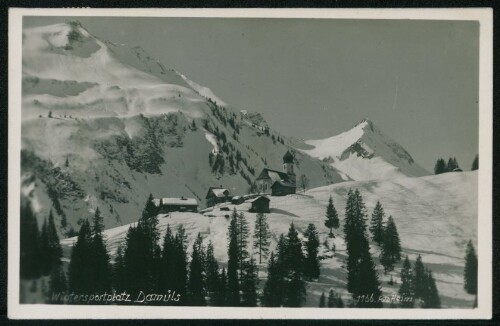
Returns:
(118, 270)
(431, 298)
(167, 261)
(377, 223)
(212, 274)
(322, 300)
(475, 163)
(44, 249)
(452, 164)
(221, 293)
(261, 236)
(332, 219)
(57, 284)
(362, 279)
(242, 236)
(55, 250)
(332, 300)
(406, 288)
(340, 303)
(295, 292)
(249, 283)
(273, 288)
(29, 244)
(391, 246)
(101, 270)
(233, 286)
(179, 262)
(196, 282)
(419, 279)
(470, 271)
(311, 263)
(80, 267)
(440, 166)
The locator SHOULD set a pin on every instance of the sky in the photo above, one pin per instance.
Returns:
(315, 78)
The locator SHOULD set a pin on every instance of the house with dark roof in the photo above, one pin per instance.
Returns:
(216, 195)
(259, 205)
(278, 183)
(183, 204)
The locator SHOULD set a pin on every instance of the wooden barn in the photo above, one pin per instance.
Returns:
(216, 195)
(183, 204)
(260, 205)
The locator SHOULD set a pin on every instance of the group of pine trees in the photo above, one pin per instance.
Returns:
(40, 250)
(418, 286)
(334, 300)
(386, 236)
(442, 167)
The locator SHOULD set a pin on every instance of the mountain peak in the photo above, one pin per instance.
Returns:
(364, 152)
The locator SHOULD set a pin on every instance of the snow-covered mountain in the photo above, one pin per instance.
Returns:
(104, 125)
(435, 216)
(365, 153)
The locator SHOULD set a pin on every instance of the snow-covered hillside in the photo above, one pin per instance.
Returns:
(365, 153)
(104, 125)
(435, 217)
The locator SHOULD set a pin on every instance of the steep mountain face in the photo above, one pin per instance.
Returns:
(105, 125)
(365, 153)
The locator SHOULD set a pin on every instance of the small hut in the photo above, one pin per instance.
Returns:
(259, 205)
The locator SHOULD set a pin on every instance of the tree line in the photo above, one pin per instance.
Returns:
(442, 167)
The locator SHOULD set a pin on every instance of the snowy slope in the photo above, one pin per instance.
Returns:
(128, 127)
(435, 217)
(365, 153)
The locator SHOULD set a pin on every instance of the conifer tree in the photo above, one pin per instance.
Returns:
(242, 236)
(179, 261)
(212, 274)
(419, 279)
(196, 282)
(101, 271)
(431, 297)
(29, 244)
(377, 223)
(475, 163)
(362, 279)
(233, 287)
(391, 246)
(311, 263)
(332, 300)
(57, 284)
(249, 284)
(118, 270)
(167, 261)
(471, 269)
(221, 293)
(406, 288)
(273, 288)
(340, 303)
(261, 236)
(294, 267)
(322, 300)
(332, 219)
(45, 255)
(440, 166)
(80, 267)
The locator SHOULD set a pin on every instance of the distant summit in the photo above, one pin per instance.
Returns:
(365, 153)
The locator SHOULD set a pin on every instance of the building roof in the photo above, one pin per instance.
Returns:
(288, 157)
(183, 201)
(283, 184)
(258, 198)
(273, 175)
(217, 191)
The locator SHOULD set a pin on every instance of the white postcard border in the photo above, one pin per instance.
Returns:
(43, 311)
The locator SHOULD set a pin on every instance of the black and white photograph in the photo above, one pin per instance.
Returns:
(207, 163)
